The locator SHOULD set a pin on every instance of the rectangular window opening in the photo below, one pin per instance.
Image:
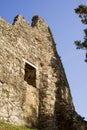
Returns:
(30, 74)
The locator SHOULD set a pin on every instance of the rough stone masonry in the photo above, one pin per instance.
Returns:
(34, 91)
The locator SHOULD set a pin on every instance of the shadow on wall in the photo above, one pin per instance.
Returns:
(63, 119)
(46, 123)
(32, 121)
(65, 114)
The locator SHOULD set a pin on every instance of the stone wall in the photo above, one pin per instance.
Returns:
(34, 91)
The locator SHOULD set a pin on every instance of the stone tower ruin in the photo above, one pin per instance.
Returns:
(34, 91)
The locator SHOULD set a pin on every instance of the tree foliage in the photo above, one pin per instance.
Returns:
(81, 10)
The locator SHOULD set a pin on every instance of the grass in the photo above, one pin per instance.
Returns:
(7, 126)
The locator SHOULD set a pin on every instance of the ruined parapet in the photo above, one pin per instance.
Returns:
(33, 86)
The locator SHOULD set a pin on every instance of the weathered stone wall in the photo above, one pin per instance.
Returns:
(33, 87)
(18, 99)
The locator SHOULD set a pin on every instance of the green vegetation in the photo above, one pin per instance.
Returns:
(7, 92)
(81, 10)
(7, 126)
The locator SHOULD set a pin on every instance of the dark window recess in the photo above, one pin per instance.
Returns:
(30, 75)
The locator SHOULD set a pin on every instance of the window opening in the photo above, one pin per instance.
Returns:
(30, 75)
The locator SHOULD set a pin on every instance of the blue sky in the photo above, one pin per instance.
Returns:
(66, 28)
